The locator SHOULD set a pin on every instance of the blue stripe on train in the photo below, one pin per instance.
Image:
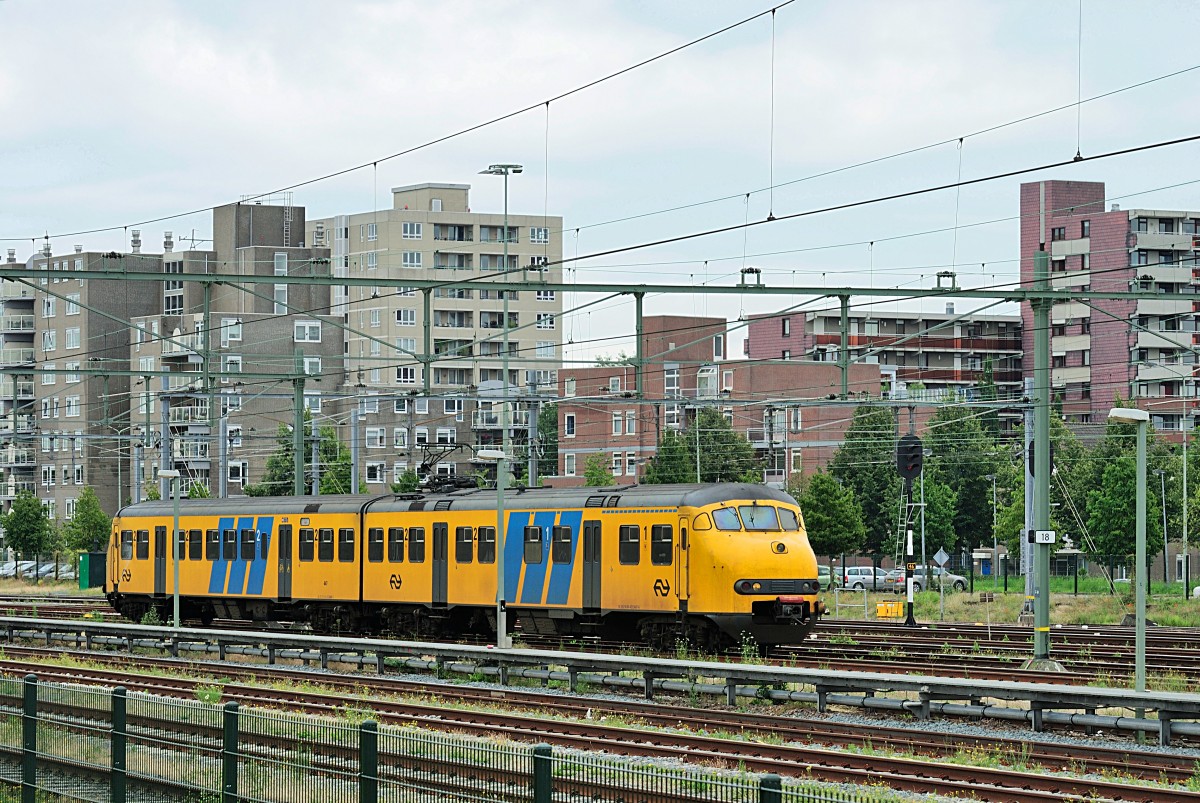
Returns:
(514, 545)
(237, 569)
(216, 577)
(560, 573)
(535, 573)
(262, 550)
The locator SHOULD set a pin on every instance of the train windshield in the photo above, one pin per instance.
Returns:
(726, 518)
(788, 519)
(759, 517)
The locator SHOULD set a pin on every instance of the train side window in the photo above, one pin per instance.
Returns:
(143, 544)
(533, 545)
(463, 540)
(395, 544)
(787, 519)
(195, 545)
(306, 544)
(629, 549)
(416, 544)
(346, 545)
(662, 543)
(487, 545)
(212, 545)
(247, 544)
(181, 538)
(325, 545)
(702, 522)
(375, 545)
(229, 545)
(560, 545)
(127, 545)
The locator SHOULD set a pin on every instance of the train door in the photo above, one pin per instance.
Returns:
(591, 565)
(160, 561)
(440, 551)
(682, 588)
(285, 563)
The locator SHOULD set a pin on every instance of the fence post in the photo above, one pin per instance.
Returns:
(118, 741)
(368, 762)
(229, 754)
(770, 789)
(29, 741)
(543, 764)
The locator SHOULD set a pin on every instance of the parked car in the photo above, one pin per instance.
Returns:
(951, 581)
(825, 578)
(860, 577)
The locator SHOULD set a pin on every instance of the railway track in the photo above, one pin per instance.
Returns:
(691, 735)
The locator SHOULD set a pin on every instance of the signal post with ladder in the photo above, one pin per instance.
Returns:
(910, 456)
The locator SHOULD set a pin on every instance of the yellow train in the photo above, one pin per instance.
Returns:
(655, 563)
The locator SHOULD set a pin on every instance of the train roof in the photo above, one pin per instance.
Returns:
(623, 496)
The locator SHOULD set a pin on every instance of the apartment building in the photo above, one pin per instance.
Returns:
(18, 469)
(938, 353)
(1096, 355)
(781, 409)
(199, 336)
(430, 406)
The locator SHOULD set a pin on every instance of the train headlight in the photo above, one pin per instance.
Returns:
(745, 586)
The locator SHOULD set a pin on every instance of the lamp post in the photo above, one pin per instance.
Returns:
(1141, 418)
(1183, 425)
(995, 544)
(502, 639)
(1162, 476)
(173, 474)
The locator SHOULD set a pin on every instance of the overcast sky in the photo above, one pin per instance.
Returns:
(118, 112)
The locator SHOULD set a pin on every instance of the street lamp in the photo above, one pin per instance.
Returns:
(995, 544)
(505, 415)
(1183, 426)
(1131, 415)
(1162, 476)
(173, 474)
(502, 639)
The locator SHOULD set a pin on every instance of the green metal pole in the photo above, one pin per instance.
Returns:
(640, 368)
(118, 742)
(844, 350)
(770, 789)
(1139, 676)
(1041, 452)
(298, 426)
(229, 754)
(543, 765)
(29, 741)
(368, 762)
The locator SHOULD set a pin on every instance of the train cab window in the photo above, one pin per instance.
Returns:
(375, 545)
(346, 545)
(726, 519)
(702, 522)
(662, 543)
(325, 545)
(629, 550)
(486, 545)
(416, 544)
(195, 545)
(127, 545)
(464, 540)
(759, 517)
(395, 544)
(248, 544)
(307, 544)
(143, 544)
(533, 545)
(560, 545)
(788, 520)
(212, 545)
(229, 545)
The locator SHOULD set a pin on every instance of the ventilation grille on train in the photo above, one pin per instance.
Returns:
(594, 501)
(443, 504)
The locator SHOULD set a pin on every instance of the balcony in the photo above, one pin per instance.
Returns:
(1162, 339)
(25, 424)
(952, 375)
(16, 356)
(1167, 304)
(1176, 241)
(189, 450)
(923, 343)
(24, 389)
(492, 419)
(189, 414)
(17, 323)
(12, 456)
(456, 234)
(9, 289)
(182, 345)
(14, 487)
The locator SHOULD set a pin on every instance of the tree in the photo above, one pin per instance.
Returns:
(672, 462)
(832, 516)
(596, 472)
(197, 490)
(963, 457)
(606, 360)
(279, 477)
(547, 440)
(406, 483)
(866, 464)
(87, 530)
(26, 525)
(725, 456)
(988, 393)
(1112, 516)
(941, 511)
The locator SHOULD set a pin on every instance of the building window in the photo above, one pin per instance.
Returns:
(719, 347)
(375, 437)
(787, 327)
(1140, 257)
(1058, 233)
(48, 306)
(230, 364)
(72, 407)
(617, 464)
(544, 295)
(72, 375)
(616, 423)
(545, 348)
(280, 291)
(1166, 226)
(1141, 224)
(49, 338)
(372, 260)
(48, 375)
(406, 375)
(399, 438)
(786, 354)
(307, 332)
(411, 231)
(71, 305)
(569, 464)
(447, 436)
(372, 232)
(410, 259)
(569, 425)
(421, 436)
(376, 318)
(376, 472)
(545, 320)
(369, 404)
(312, 402)
(1058, 265)
(1085, 228)
(407, 317)
(312, 366)
(231, 330)
(631, 464)
(630, 422)
(539, 236)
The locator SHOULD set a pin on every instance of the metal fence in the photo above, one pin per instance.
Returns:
(85, 743)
